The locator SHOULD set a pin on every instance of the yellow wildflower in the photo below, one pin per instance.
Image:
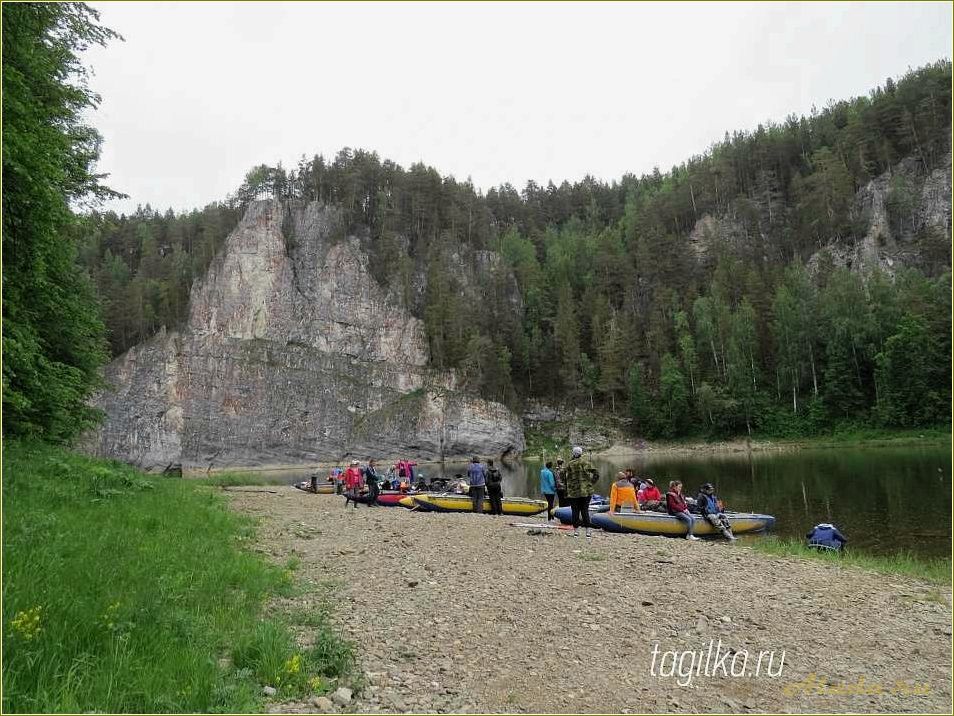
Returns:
(27, 624)
(293, 665)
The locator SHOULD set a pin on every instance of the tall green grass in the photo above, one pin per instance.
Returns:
(129, 593)
(937, 571)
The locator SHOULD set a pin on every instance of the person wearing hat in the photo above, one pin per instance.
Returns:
(580, 478)
(649, 498)
(709, 506)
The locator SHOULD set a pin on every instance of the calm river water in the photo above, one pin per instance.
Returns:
(885, 500)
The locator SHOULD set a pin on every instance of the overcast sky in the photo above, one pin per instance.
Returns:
(198, 93)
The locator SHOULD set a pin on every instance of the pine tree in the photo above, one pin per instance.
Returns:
(53, 336)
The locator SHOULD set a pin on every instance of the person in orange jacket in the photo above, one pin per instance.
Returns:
(622, 493)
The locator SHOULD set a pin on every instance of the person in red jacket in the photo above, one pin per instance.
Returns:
(650, 498)
(352, 482)
(677, 507)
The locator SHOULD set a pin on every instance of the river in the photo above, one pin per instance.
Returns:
(886, 500)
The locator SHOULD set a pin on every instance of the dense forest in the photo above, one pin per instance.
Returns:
(53, 334)
(616, 310)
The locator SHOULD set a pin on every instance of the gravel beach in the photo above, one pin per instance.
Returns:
(465, 613)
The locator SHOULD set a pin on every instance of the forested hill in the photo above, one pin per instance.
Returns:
(787, 279)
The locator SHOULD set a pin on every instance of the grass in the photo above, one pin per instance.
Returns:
(937, 571)
(124, 592)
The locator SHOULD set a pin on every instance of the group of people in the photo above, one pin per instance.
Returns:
(573, 484)
(355, 480)
(481, 478)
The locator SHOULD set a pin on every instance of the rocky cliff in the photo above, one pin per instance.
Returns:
(292, 354)
(905, 216)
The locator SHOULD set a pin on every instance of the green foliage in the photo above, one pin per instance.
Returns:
(52, 332)
(673, 398)
(909, 383)
(170, 622)
(563, 288)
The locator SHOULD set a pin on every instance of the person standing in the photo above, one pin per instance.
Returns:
(548, 488)
(352, 482)
(477, 477)
(371, 480)
(677, 507)
(494, 488)
(558, 472)
(581, 477)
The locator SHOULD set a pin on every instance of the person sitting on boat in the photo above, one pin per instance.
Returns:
(826, 536)
(421, 485)
(622, 493)
(494, 488)
(459, 486)
(649, 498)
(677, 507)
(710, 507)
(548, 488)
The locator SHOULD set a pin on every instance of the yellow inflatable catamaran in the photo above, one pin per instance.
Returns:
(449, 502)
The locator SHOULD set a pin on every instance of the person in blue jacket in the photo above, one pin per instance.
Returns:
(548, 488)
(708, 505)
(826, 536)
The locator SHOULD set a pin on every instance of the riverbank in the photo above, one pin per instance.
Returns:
(461, 612)
(125, 593)
(864, 439)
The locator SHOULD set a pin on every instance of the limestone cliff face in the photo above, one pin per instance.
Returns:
(917, 240)
(292, 354)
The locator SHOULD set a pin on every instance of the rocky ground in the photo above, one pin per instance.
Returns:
(465, 613)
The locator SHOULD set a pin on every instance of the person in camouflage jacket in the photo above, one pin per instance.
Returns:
(580, 477)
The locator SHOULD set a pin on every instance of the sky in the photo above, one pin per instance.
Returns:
(199, 93)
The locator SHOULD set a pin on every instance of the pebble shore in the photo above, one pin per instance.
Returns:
(465, 613)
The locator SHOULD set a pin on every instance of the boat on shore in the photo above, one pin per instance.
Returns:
(565, 514)
(324, 488)
(660, 523)
(448, 502)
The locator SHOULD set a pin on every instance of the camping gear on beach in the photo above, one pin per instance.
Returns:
(657, 523)
(448, 502)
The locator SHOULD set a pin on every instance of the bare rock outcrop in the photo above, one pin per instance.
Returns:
(292, 354)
